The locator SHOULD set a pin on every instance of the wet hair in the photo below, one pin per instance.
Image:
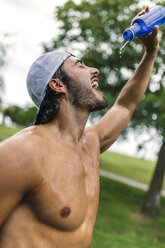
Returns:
(50, 105)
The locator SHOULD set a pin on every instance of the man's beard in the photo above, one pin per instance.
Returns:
(82, 96)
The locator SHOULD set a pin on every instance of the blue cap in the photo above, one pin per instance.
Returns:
(41, 71)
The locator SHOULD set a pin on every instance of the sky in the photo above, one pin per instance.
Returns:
(30, 23)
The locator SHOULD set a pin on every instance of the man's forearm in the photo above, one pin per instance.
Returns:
(135, 88)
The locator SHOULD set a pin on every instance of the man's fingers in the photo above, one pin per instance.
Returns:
(155, 32)
(141, 12)
(147, 8)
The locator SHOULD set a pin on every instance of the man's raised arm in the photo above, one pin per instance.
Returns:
(116, 119)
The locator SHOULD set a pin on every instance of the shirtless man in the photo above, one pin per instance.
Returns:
(49, 174)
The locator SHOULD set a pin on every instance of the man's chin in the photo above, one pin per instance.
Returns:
(99, 105)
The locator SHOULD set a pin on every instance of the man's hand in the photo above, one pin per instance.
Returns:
(151, 41)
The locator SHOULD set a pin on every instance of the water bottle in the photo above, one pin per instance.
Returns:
(144, 24)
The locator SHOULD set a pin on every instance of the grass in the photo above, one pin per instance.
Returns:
(138, 169)
(6, 132)
(119, 224)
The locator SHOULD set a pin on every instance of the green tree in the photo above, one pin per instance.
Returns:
(92, 30)
(2, 62)
(21, 116)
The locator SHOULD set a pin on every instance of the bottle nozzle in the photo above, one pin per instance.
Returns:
(132, 32)
(129, 34)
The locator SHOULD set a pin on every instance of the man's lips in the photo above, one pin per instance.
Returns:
(94, 82)
(94, 78)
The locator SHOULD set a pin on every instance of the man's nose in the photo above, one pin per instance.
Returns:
(94, 71)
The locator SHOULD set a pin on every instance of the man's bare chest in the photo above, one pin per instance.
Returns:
(69, 190)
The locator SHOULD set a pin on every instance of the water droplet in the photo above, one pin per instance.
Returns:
(121, 49)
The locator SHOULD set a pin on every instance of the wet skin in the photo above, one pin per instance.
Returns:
(49, 174)
(61, 207)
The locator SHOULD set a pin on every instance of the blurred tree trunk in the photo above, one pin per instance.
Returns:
(151, 205)
(3, 118)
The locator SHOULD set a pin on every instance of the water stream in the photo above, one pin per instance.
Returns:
(121, 49)
(120, 52)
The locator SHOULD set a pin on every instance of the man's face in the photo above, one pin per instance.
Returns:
(82, 85)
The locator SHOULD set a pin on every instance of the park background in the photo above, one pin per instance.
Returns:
(25, 27)
(29, 24)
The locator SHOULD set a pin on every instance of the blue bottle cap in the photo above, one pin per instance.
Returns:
(129, 34)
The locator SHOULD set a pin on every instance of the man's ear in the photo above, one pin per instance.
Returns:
(57, 85)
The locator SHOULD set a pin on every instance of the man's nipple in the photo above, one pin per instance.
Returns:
(65, 212)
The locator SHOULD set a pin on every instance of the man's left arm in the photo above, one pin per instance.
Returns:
(117, 118)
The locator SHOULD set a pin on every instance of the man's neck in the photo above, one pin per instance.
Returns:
(69, 123)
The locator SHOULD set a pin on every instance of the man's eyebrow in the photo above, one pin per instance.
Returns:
(78, 61)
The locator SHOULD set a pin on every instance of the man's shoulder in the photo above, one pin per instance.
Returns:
(22, 147)
(19, 159)
(91, 135)
(91, 132)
